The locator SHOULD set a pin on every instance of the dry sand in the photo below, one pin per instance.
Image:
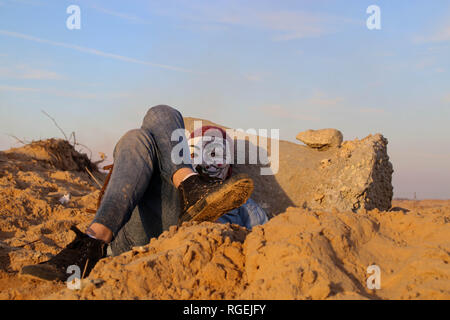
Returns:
(299, 254)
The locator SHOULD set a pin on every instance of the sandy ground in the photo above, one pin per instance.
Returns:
(299, 254)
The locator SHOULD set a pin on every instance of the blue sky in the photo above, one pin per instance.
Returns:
(293, 65)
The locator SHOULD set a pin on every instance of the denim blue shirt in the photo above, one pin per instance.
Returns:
(248, 215)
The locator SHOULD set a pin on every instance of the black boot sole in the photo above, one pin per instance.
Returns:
(234, 193)
(43, 273)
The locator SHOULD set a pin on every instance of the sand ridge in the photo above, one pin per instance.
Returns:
(300, 254)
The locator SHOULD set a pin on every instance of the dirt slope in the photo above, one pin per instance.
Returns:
(32, 180)
(298, 255)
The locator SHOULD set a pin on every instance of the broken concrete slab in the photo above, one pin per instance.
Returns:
(356, 176)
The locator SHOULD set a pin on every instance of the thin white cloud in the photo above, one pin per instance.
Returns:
(18, 89)
(294, 25)
(282, 25)
(65, 93)
(278, 111)
(27, 2)
(28, 73)
(121, 15)
(442, 34)
(41, 75)
(253, 77)
(320, 99)
(90, 51)
(372, 110)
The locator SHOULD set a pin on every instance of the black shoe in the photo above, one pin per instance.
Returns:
(83, 252)
(207, 199)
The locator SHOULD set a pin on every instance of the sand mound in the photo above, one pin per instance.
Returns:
(300, 254)
(33, 223)
(56, 153)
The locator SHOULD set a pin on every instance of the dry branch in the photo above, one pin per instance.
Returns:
(72, 135)
(92, 176)
(17, 139)
(56, 124)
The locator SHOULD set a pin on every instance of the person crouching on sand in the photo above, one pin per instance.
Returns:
(148, 193)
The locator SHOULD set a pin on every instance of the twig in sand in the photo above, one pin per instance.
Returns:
(105, 185)
(75, 143)
(85, 267)
(56, 124)
(82, 145)
(74, 138)
(17, 139)
(26, 244)
(92, 176)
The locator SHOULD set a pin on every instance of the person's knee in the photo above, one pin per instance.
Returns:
(132, 139)
(161, 109)
(160, 112)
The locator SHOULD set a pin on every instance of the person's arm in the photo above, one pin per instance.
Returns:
(252, 214)
(233, 217)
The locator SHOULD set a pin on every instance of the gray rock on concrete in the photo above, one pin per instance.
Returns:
(321, 139)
